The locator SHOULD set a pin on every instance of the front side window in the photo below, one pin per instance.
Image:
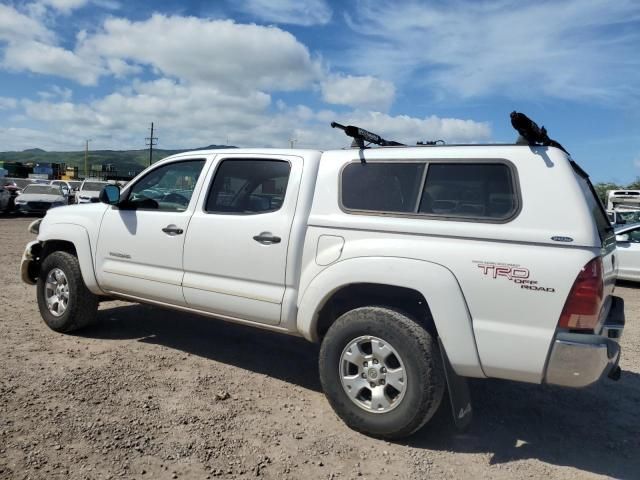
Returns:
(246, 187)
(167, 188)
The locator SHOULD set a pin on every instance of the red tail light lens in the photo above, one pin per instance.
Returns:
(582, 309)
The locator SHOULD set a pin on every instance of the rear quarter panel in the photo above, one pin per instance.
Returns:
(513, 325)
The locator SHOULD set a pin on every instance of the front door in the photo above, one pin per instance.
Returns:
(236, 247)
(142, 239)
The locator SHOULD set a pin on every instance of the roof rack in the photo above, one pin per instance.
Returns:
(530, 133)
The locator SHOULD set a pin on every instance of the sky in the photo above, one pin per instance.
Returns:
(265, 73)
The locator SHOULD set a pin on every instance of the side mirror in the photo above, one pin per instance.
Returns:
(110, 194)
(622, 238)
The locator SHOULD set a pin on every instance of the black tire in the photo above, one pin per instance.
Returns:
(419, 352)
(82, 306)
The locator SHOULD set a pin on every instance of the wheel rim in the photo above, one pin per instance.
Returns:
(56, 292)
(372, 374)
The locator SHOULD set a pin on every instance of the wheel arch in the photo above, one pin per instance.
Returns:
(400, 283)
(72, 239)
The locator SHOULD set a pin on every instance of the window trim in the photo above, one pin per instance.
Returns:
(515, 182)
(130, 186)
(258, 158)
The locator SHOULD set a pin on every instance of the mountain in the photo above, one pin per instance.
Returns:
(122, 160)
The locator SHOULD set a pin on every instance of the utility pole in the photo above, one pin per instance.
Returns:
(86, 158)
(151, 141)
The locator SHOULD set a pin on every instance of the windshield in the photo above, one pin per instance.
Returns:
(42, 189)
(93, 186)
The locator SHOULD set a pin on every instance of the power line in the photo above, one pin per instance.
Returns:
(151, 141)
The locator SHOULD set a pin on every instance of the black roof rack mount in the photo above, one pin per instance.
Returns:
(530, 133)
(360, 136)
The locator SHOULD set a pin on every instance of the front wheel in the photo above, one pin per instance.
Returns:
(64, 301)
(381, 372)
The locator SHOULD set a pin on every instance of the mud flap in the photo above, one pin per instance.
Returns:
(458, 393)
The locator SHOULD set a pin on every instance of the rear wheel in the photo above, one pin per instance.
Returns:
(381, 372)
(64, 301)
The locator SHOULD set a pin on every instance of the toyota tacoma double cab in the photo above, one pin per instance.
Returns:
(415, 268)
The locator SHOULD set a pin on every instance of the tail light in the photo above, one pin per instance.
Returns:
(582, 308)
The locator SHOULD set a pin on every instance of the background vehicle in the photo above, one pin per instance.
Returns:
(37, 199)
(415, 267)
(66, 187)
(89, 191)
(5, 198)
(617, 199)
(623, 216)
(628, 252)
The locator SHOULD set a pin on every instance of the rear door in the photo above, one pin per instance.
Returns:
(236, 245)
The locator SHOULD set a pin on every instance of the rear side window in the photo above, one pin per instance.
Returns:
(483, 191)
(382, 187)
(475, 190)
(245, 187)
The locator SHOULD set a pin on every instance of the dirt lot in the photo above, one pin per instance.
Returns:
(151, 393)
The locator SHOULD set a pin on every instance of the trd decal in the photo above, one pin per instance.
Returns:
(512, 273)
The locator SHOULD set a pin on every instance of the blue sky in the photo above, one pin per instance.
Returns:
(263, 72)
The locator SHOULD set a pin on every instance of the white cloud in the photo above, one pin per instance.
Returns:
(218, 52)
(559, 49)
(64, 6)
(39, 57)
(7, 103)
(294, 12)
(192, 116)
(15, 26)
(358, 91)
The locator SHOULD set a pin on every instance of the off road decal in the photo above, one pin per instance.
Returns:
(515, 273)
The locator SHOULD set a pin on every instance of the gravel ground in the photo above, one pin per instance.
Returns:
(150, 393)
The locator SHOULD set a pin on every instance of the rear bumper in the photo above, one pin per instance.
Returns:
(578, 360)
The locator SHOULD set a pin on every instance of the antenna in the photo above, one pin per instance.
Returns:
(151, 141)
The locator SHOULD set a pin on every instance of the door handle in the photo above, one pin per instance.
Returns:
(267, 238)
(172, 230)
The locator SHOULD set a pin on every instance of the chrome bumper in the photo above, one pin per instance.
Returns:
(578, 360)
(28, 257)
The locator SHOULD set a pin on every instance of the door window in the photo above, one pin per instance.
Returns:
(248, 187)
(167, 188)
(634, 235)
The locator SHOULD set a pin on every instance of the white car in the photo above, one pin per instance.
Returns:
(628, 252)
(38, 198)
(89, 191)
(414, 267)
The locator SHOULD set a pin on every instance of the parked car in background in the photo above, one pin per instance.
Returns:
(90, 189)
(5, 198)
(67, 189)
(628, 252)
(37, 199)
(75, 185)
(14, 191)
(623, 216)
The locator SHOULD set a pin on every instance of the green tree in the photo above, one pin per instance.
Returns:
(635, 185)
(601, 189)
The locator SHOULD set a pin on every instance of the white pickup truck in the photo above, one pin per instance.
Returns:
(415, 267)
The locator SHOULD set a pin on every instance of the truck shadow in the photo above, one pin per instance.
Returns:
(280, 356)
(596, 429)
